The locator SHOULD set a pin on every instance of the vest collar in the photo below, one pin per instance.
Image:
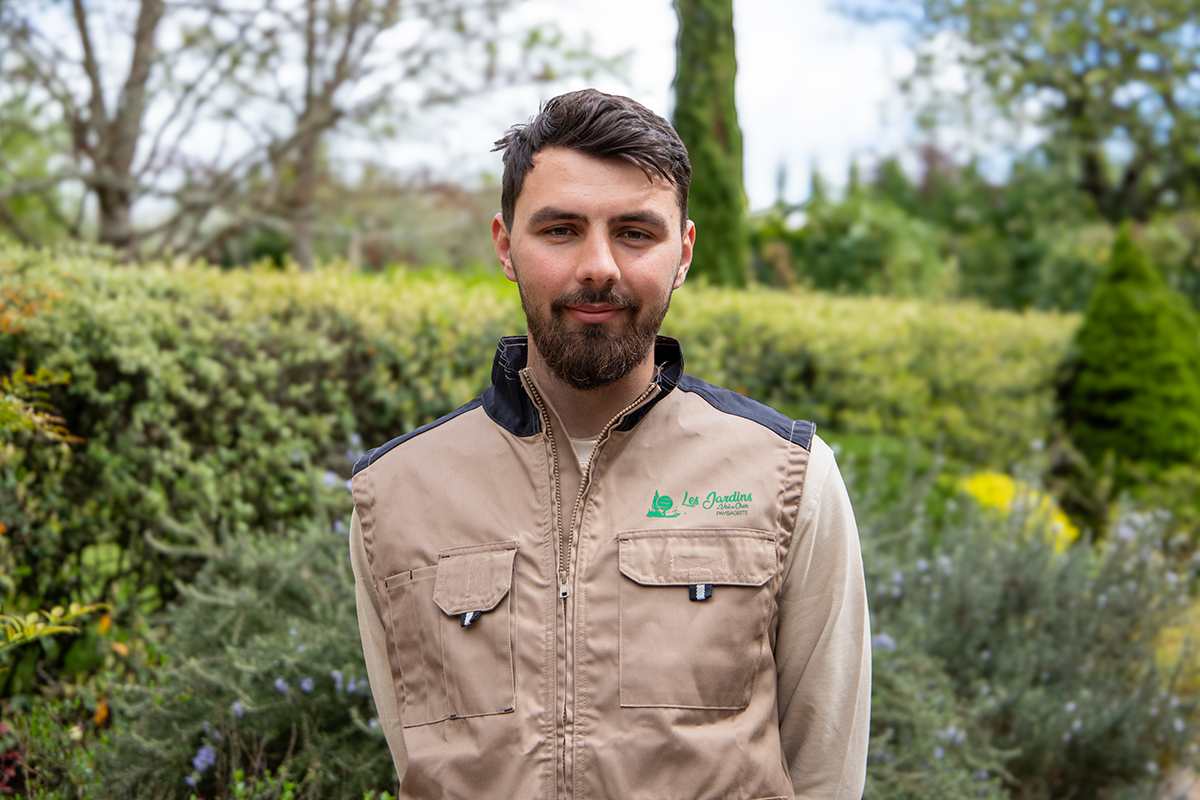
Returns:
(507, 403)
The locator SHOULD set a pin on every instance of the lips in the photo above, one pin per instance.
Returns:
(594, 312)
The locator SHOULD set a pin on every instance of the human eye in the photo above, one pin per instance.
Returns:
(560, 231)
(636, 236)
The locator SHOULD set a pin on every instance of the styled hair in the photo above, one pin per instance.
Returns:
(601, 125)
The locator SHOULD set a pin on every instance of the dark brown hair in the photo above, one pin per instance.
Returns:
(600, 125)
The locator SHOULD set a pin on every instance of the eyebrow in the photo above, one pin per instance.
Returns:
(551, 214)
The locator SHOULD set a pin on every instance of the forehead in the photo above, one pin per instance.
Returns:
(586, 185)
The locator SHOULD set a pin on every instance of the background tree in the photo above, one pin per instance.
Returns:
(218, 110)
(1111, 85)
(1130, 385)
(706, 119)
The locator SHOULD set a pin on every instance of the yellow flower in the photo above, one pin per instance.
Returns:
(1004, 495)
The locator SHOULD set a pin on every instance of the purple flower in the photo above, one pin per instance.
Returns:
(237, 708)
(350, 687)
(355, 439)
(938, 752)
(331, 478)
(190, 781)
(205, 757)
(281, 685)
(897, 577)
(884, 641)
(306, 685)
(337, 679)
(348, 489)
(373, 724)
(339, 527)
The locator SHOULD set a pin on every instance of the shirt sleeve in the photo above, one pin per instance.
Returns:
(374, 641)
(823, 648)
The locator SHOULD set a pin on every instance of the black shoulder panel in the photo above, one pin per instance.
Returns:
(796, 431)
(505, 401)
(371, 456)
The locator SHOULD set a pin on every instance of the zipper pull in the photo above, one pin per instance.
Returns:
(562, 584)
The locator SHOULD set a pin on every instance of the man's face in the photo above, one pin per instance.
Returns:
(596, 251)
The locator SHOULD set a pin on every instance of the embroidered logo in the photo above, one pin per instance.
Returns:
(662, 506)
(733, 504)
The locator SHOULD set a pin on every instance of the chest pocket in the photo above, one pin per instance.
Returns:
(694, 608)
(451, 630)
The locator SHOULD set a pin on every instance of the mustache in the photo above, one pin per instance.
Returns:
(587, 294)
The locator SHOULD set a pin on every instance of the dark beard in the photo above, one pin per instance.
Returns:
(597, 354)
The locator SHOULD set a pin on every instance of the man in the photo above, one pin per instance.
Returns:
(605, 578)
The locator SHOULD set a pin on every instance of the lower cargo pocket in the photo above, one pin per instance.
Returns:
(451, 631)
(694, 608)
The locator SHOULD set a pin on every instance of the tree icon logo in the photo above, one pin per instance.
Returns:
(662, 506)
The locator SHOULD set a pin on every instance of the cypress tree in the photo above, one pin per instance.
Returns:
(1131, 381)
(706, 120)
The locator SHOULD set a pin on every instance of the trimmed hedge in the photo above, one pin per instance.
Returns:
(238, 400)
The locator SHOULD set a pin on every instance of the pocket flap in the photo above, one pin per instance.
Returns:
(473, 578)
(733, 557)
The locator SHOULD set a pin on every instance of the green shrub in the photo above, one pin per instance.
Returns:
(1046, 663)
(861, 245)
(238, 400)
(1130, 383)
(956, 377)
(229, 399)
(264, 671)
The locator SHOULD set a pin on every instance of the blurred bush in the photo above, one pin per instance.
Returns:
(1128, 390)
(973, 381)
(1049, 664)
(264, 671)
(240, 400)
(1026, 242)
(1130, 383)
(236, 400)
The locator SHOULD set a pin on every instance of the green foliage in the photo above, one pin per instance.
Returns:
(55, 747)
(1023, 243)
(28, 146)
(972, 381)
(1109, 85)
(1046, 664)
(705, 117)
(20, 630)
(232, 399)
(264, 673)
(239, 400)
(1130, 383)
(859, 245)
(926, 742)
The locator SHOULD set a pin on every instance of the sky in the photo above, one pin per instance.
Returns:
(814, 88)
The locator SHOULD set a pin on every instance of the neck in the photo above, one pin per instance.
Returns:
(585, 413)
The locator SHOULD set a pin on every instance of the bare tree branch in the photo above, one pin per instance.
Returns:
(99, 114)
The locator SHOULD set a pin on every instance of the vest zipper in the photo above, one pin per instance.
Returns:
(587, 472)
(567, 535)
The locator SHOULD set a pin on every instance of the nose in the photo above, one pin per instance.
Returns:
(597, 267)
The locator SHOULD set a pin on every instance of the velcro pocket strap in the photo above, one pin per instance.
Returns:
(474, 578)
(725, 556)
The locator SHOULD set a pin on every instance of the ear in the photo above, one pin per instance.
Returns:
(503, 246)
(685, 255)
